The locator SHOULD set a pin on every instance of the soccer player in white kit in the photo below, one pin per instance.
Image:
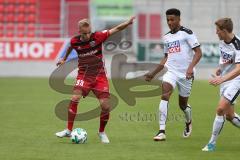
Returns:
(228, 77)
(182, 52)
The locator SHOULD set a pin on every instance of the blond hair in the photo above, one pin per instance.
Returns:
(225, 23)
(83, 23)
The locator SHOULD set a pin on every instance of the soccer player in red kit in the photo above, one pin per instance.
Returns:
(91, 73)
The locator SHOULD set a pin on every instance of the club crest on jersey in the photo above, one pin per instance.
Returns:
(173, 47)
(92, 43)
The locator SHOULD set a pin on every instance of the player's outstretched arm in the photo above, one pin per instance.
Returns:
(196, 58)
(63, 60)
(234, 73)
(121, 26)
(218, 80)
(151, 75)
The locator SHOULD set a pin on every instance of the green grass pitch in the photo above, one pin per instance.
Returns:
(28, 124)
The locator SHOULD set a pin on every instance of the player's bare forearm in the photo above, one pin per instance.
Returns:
(196, 58)
(220, 79)
(121, 26)
(231, 75)
(69, 50)
(160, 66)
(62, 61)
(151, 75)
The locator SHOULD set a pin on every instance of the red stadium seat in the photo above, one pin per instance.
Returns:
(22, 1)
(31, 1)
(31, 27)
(1, 26)
(30, 34)
(9, 8)
(9, 18)
(10, 26)
(11, 1)
(1, 18)
(2, 1)
(21, 8)
(1, 34)
(1, 8)
(21, 27)
(31, 9)
(10, 34)
(31, 18)
(20, 34)
(20, 18)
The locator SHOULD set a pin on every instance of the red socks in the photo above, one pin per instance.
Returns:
(72, 111)
(104, 117)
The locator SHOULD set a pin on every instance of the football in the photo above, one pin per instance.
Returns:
(79, 136)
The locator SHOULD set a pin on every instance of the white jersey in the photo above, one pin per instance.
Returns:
(229, 56)
(179, 48)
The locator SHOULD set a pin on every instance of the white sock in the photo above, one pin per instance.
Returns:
(217, 127)
(188, 114)
(163, 110)
(236, 120)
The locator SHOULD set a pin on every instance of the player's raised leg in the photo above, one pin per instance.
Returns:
(167, 90)
(233, 117)
(72, 111)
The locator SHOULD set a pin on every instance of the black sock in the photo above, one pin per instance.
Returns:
(161, 131)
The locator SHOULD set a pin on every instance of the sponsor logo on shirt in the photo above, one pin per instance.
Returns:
(173, 47)
(88, 53)
(226, 58)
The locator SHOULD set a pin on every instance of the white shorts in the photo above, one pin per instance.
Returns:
(184, 85)
(230, 90)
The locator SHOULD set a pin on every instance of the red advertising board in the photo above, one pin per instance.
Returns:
(30, 49)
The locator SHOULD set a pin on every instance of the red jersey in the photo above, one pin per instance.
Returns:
(90, 58)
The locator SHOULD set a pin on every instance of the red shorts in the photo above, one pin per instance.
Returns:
(98, 85)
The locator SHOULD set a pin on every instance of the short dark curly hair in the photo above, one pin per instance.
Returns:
(173, 11)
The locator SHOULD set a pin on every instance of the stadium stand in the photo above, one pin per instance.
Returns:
(15, 15)
(35, 18)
